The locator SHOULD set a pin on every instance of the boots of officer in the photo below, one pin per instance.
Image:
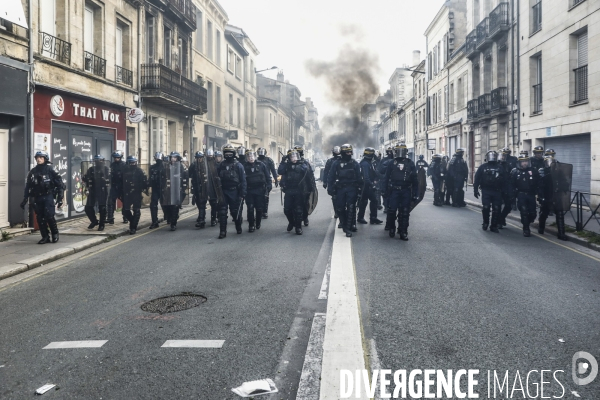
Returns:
(542, 224)
(341, 219)
(213, 215)
(110, 212)
(495, 218)
(43, 225)
(391, 222)
(91, 214)
(265, 212)
(53, 229)
(525, 220)
(485, 213)
(223, 222)
(403, 222)
(259, 217)
(201, 221)
(352, 212)
(348, 222)
(154, 217)
(290, 218)
(251, 221)
(560, 225)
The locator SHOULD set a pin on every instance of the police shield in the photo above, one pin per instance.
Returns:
(214, 182)
(95, 177)
(174, 185)
(311, 193)
(562, 176)
(199, 180)
(135, 186)
(422, 179)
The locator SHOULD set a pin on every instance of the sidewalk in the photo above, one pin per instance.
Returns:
(22, 253)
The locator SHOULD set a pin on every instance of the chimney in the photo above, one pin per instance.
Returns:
(280, 75)
(416, 57)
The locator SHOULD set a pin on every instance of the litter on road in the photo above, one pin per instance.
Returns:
(255, 388)
(44, 388)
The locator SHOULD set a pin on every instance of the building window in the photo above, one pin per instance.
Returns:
(536, 16)
(460, 94)
(182, 65)
(252, 113)
(92, 40)
(536, 64)
(209, 39)
(238, 67)
(576, 2)
(451, 101)
(218, 54)
(230, 109)
(252, 72)
(239, 113)
(199, 32)
(209, 100)
(150, 39)
(230, 60)
(168, 47)
(122, 51)
(218, 106)
(581, 72)
(446, 102)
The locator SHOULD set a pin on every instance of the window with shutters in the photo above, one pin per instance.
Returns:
(535, 16)
(579, 76)
(230, 109)
(199, 32)
(218, 106)
(536, 88)
(209, 39)
(230, 60)
(167, 46)
(150, 39)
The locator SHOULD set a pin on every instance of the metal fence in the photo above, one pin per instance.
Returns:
(581, 201)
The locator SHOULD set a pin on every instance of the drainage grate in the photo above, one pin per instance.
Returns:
(169, 304)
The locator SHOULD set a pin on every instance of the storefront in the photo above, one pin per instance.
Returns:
(215, 137)
(73, 129)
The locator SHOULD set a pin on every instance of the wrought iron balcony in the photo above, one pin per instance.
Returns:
(485, 105)
(472, 109)
(123, 75)
(185, 10)
(581, 84)
(94, 64)
(499, 99)
(393, 135)
(55, 48)
(483, 33)
(471, 45)
(499, 21)
(537, 98)
(166, 87)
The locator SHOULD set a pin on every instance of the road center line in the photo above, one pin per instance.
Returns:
(214, 344)
(308, 388)
(325, 283)
(343, 346)
(81, 344)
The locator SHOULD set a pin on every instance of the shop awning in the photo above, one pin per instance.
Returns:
(12, 11)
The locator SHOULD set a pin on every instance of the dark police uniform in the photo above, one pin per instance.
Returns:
(525, 184)
(493, 179)
(97, 181)
(258, 185)
(154, 181)
(43, 184)
(135, 182)
(369, 192)
(382, 169)
(116, 190)
(435, 171)
(344, 181)
(294, 185)
(233, 181)
(457, 173)
(402, 184)
(270, 164)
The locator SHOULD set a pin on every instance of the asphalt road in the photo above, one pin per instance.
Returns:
(452, 297)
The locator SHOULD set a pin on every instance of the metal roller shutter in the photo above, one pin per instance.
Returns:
(574, 150)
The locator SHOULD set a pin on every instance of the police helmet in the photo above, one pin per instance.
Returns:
(523, 153)
(491, 156)
(369, 152)
(336, 150)
(261, 152)
(435, 157)
(241, 150)
(460, 152)
(132, 160)
(218, 154)
(421, 157)
(400, 150)
(210, 153)
(158, 156)
(550, 152)
(228, 151)
(250, 156)
(198, 155)
(176, 155)
(502, 156)
(389, 151)
(98, 157)
(43, 154)
(346, 150)
(293, 155)
(117, 154)
(299, 150)
(524, 161)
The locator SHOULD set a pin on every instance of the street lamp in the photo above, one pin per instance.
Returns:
(268, 69)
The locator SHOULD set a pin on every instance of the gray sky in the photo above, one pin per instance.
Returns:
(289, 32)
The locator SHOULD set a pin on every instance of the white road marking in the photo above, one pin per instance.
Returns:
(325, 283)
(342, 346)
(216, 344)
(375, 366)
(309, 386)
(81, 344)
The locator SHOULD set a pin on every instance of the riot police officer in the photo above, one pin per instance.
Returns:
(233, 181)
(310, 179)
(345, 181)
(525, 183)
(382, 168)
(458, 171)
(44, 185)
(293, 183)
(135, 183)
(214, 186)
(116, 187)
(510, 160)
(435, 171)
(402, 186)
(174, 188)
(491, 177)
(97, 181)
(369, 191)
(448, 186)
(421, 163)
(537, 160)
(155, 174)
(335, 155)
(218, 157)
(506, 195)
(270, 164)
(258, 185)
(552, 199)
(241, 154)
(199, 178)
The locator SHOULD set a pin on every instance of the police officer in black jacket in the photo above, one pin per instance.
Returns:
(345, 182)
(116, 187)
(135, 183)
(270, 164)
(233, 181)
(421, 163)
(335, 152)
(458, 172)
(154, 182)
(382, 168)
(97, 182)
(258, 185)
(492, 178)
(537, 160)
(43, 185)
(369, 192)
(525, 183)
(436, 172)
(293, 183)
(199, 178)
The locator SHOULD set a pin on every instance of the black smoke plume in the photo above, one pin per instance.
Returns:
(350, 83)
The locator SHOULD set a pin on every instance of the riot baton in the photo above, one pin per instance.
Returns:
(237, 218)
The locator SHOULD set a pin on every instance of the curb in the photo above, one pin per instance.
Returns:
(572, 238)
(28, 264)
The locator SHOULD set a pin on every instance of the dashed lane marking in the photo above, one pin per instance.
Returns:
(208, 344)
(325, 283)
(309, 386)
(81, 344)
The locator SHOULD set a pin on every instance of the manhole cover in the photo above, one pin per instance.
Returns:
(169, 304)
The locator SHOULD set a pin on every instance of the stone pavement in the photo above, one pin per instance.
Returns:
(22, 253)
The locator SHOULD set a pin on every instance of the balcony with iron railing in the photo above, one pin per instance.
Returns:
(123, 75)
(581, 84)
(499, 100)
(94, 64)
(472, 109)
(471, 45)
(185, 10)
(483, 33)
(499, 21)
(485, 105)
(55, 48)
(537, 99)
(167, 88)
